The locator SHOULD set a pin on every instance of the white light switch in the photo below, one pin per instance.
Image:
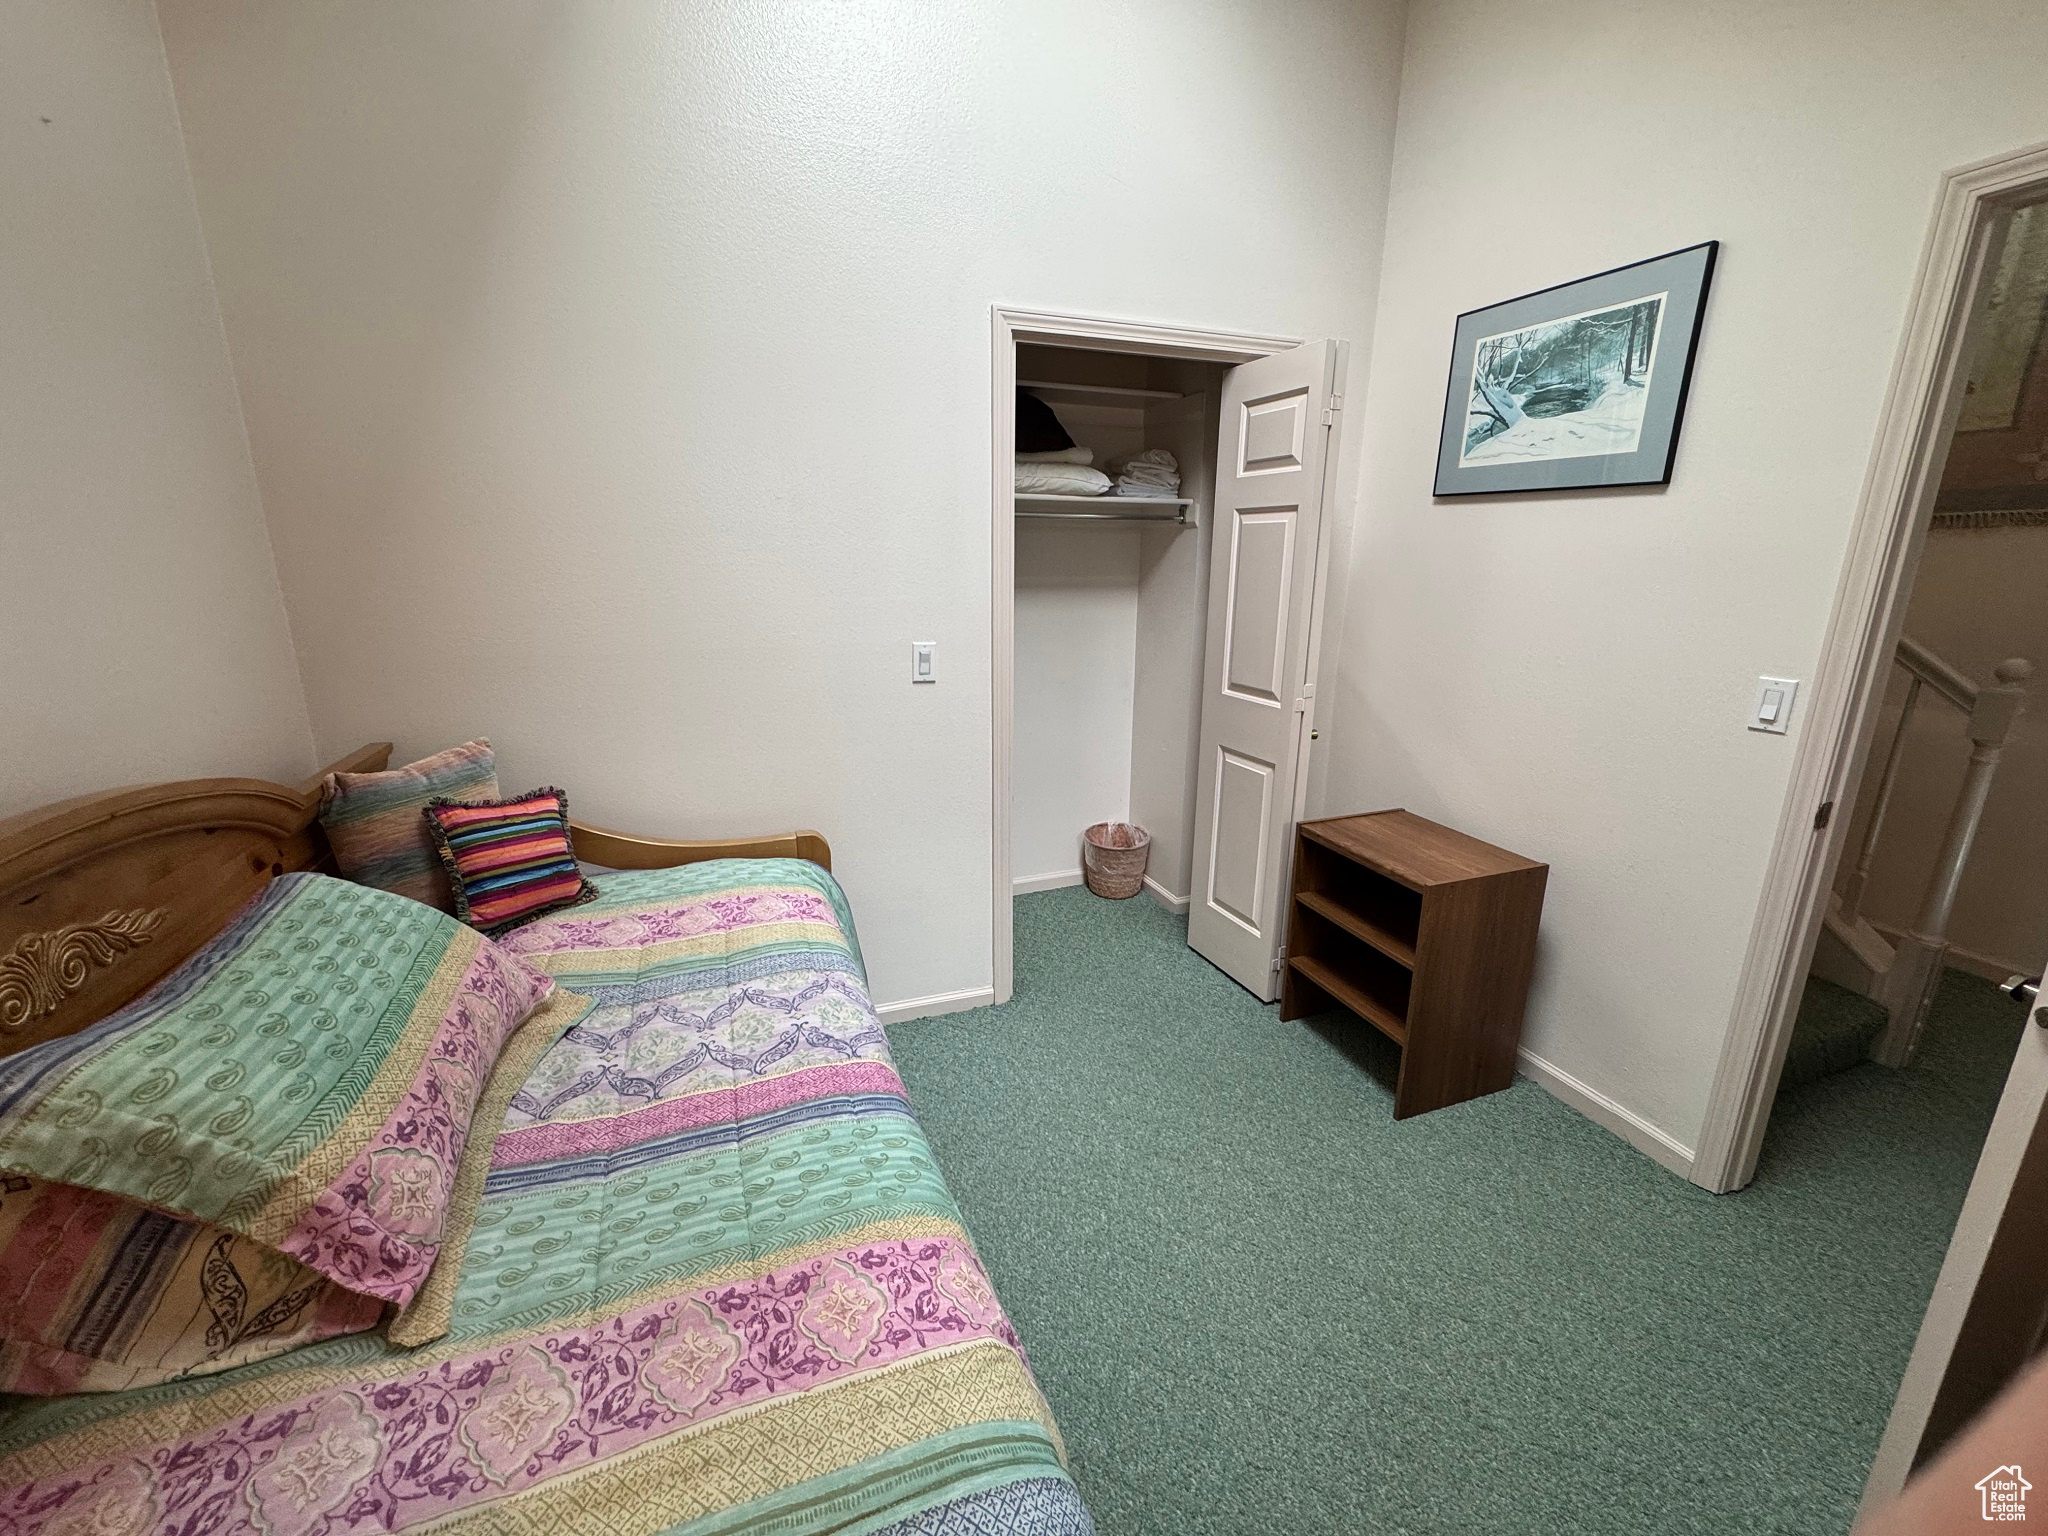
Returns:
(1773, 711)
(922, 667)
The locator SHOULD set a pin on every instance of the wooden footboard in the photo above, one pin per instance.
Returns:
(625, 850)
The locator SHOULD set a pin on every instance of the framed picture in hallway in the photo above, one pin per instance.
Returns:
(1579, 385)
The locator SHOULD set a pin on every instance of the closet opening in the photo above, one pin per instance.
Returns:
(1121, 470)
(1111, 593)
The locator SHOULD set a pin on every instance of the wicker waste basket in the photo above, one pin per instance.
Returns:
(1113, 855)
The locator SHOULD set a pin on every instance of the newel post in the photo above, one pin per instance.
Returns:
(1916, 967)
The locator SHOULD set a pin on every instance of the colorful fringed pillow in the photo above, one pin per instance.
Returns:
(373, 819)
(268, 1147)
(508, 860)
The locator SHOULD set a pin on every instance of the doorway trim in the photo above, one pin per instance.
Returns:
(1919, 415)
(1009, 325)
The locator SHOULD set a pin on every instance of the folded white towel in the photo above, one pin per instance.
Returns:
(1154, 472)
(1060, 480)
(1059, 456)
(1153, 461)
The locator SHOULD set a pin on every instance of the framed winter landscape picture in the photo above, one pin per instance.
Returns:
(1578, 385)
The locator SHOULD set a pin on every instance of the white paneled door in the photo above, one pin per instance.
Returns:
(1257, 674)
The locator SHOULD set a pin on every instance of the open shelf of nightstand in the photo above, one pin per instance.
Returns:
(1393, 946)
(1374, 1012)
(1426, 934)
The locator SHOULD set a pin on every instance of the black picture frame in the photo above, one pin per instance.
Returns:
(1576, 386)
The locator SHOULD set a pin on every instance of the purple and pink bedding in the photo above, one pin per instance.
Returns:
(715, 1284)
(264, 1149)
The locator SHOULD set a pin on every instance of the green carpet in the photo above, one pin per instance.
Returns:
(1833, 1033)
(1256, 1304)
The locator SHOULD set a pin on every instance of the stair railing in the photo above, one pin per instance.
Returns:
(1922, 667)
(1916, 965)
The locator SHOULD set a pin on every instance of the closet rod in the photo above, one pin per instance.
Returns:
(1183, 515)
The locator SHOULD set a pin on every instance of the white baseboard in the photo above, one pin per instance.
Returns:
(1177, 905)
(1024, 885)
(1601, 1110)
(936, 1004)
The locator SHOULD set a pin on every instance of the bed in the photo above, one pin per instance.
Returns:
(714, 1282)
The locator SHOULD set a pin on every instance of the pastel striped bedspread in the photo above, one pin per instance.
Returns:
(716, 1285)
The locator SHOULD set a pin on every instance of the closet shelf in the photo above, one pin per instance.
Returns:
(1178, 510)
(1097, 394)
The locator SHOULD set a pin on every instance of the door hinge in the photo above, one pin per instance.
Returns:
(1824, 815)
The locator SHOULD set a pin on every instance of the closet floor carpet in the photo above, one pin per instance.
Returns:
(1257, 1304)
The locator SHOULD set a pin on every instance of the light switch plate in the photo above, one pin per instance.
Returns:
(923, 661)
(1772, 711)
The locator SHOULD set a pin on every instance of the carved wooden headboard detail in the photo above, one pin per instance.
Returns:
(102, 896)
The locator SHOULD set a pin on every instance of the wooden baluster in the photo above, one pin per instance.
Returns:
(1852, 897)
(1915, 973)
(1991, 722)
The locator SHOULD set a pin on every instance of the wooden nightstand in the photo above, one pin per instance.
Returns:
(1426, 934)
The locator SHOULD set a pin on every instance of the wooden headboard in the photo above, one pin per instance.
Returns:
(103, 896)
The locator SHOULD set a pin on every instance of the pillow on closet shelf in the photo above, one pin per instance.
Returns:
(283, 1138)
(1060, 480)
(509, 861)
(373, 819)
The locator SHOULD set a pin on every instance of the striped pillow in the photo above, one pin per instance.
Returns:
(509, 860)
(373, 819)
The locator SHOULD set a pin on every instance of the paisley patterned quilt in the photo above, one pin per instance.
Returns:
(716, 1284)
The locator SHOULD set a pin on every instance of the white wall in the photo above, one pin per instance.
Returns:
(1173, 605)
(1077, 638)
(1076, 646)
(1568, 674)
(142, 635)
(617, 374)
(1977, 599)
